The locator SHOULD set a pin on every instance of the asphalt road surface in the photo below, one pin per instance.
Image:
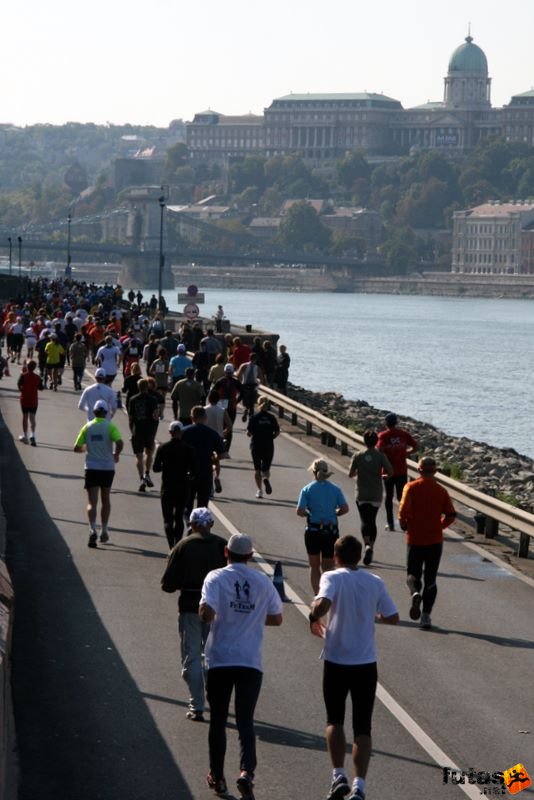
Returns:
(99, 701)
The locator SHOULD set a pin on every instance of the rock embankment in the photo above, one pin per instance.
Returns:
(500, 472)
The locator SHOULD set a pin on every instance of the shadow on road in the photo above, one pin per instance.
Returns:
(84, 731)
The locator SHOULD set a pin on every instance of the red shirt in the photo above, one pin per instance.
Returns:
(426, 509)
(240, 355)
(394, 442)
(29, 384)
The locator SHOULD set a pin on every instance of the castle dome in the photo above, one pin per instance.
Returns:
(468, 57)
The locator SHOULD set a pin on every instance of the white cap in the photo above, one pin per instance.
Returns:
(100, 405)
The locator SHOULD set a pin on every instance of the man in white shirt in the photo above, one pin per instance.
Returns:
(356, 600)
(238, 602)
(98, 391)
(108, 357)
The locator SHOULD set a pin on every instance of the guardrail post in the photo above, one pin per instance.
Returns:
(344, 449)
(294, 419)
(309, 428)
(324, 437)
(492, 528)
(280, 412)
(330, 440)
(522, 550)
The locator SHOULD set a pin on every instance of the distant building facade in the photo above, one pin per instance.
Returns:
(322, 128)
(494, 239)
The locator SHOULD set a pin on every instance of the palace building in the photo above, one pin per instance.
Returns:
(323, 128)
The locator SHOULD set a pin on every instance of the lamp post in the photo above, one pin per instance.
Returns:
(19, 240)
(161, 201)
(10, 254)
(68, 270)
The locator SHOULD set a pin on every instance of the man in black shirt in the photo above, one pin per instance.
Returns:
(176, 462)
(263, 429)
(208, 446)
(143, 412)
(189, 563)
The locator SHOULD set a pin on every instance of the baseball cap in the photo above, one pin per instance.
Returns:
(100, 373)
(53, 336)
(202, 517)
(175, 426)
(228, 368)
(320, 467)
(181, 348)
(240, 544)
(100, 405)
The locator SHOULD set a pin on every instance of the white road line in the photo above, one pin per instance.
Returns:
(402, 716)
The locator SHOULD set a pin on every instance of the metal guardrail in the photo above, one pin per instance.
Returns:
(491, 508)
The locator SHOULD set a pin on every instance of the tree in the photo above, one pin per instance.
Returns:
(248, 172)
(177, 157)
(302, 228)
(352, 167)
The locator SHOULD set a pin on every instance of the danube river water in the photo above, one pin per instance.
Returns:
(463, 364)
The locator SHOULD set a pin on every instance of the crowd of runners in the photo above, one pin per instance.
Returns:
(61, 329)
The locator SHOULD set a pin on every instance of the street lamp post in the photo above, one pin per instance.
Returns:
(19, 240)
(10, 254)
(68, 270)
(161, 201)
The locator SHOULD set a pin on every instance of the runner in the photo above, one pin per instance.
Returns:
(396, 444)
(263, 428)
(425, 511)
(355, 600)
(187, 566)
(29, 384)
(101, 440)
(321, 502)
(239, 602)
(54, 352)
(176, 462)
(98, 391)
(143, 411)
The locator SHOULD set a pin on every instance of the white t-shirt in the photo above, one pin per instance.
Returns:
(108, 357)
(215, 418)
(241, 597)
(356, 596)
(97, 391)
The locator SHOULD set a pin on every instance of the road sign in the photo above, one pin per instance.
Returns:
(192, 290)
(189, 298)
(191, 311)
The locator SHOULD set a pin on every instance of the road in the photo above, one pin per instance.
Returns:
(100, 705)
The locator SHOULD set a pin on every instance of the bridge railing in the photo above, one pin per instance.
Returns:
(332, 433)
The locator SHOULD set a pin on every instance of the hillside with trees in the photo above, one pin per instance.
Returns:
(45, 170)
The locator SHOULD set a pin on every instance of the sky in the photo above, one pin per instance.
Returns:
(149, 63)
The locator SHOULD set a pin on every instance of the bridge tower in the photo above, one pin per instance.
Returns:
(145, 232)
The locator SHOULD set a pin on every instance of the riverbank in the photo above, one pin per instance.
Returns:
(499, 472)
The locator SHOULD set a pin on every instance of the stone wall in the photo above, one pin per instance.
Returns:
(500, 472)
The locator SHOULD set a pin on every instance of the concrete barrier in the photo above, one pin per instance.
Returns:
(8, 765)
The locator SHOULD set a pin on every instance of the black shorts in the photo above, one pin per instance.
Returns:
(28, 409)
(143, 440)
(320, 543)
(358, 679)
(262, 457)
(99, 477)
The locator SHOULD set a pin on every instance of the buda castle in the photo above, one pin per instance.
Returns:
(323, 128)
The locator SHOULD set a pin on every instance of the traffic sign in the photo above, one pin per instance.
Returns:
(192, 290)
(188, 298)
(191, 311)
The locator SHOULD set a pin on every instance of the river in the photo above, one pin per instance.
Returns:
(461, 364)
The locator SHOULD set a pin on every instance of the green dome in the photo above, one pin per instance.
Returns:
(468, 58)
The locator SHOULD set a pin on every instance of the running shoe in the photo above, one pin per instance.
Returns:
(356, 794)
(340, 788)
(415, 608)
(268, 487)
(426, 622)
(244, 417)
(92, 539)
(32, 441)
(259, 493)
(368, 555)
(245, 786)
(218, 485)
(104, 537)
(148, 480)
(196, 716)
(23, 438)
(142, 486)
(217, 784)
